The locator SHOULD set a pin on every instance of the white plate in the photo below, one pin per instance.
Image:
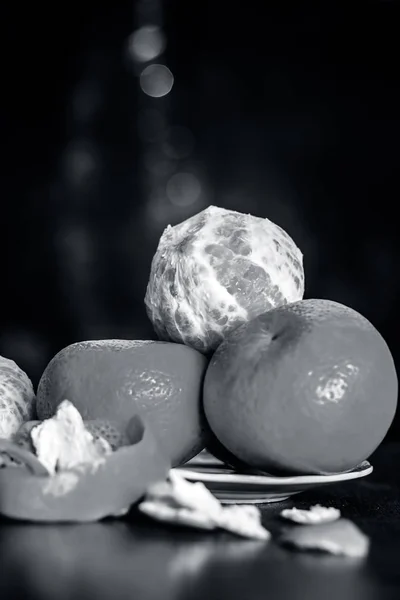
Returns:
(234, 488)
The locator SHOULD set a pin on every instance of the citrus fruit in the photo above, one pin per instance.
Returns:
(111, 380)
(306, 388)
(216, 270)
(17, 398)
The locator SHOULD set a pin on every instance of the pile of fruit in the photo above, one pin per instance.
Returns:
(266, 380)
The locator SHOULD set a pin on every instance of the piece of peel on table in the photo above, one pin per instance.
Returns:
(183, 503)
(315, 514)
(341, 538)
(161, 511)
(78, 479)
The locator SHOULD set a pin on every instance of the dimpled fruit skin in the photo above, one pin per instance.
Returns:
(306, 388)
(216, 270)
(111, 380)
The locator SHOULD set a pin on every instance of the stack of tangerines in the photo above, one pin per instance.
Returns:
(244, 365)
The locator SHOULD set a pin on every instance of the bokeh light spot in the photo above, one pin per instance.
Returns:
(80, 162)
(146, 43)
(156, 81)
(183, 189)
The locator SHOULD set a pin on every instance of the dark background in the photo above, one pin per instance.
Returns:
(291, 114)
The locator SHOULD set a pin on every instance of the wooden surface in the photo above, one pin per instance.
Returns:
(136, 559)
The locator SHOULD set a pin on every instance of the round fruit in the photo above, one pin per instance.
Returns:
(111, 380)
(219, 269)
(306, 388)
(17, 398)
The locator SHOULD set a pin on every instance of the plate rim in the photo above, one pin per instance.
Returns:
(260, 480)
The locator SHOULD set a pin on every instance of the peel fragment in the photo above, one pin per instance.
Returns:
(8, 461)
(88, 491)
(312, 516)
(181, 502)
(160, 511)
(62, 442)
(341, 538)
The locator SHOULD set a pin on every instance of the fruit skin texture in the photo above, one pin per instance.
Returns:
(112, 380)
(309, 388)
(216, 270)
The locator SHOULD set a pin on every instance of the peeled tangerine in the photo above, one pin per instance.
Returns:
(306, 388)
(216, 270)
(17, 398)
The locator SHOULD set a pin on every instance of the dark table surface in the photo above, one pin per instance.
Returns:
(137, 559)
